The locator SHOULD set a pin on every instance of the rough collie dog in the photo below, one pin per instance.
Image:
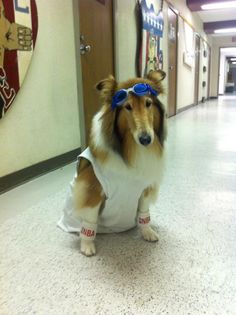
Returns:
(118, 175)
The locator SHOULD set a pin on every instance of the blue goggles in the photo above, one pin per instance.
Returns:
(138, 89)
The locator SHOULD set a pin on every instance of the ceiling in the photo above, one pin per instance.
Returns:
(217, 15)
(214, 19)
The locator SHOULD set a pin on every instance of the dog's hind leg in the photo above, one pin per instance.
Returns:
(147, 198)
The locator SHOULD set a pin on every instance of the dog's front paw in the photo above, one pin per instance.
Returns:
(149, 234)
(87, 248)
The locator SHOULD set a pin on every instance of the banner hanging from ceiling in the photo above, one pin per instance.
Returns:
(18, 32)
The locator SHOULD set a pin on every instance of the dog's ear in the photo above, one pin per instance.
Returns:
(156, 76)
(109, 128)
(107, 88)
(160, 125)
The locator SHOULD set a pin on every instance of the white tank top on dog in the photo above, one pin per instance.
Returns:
(122, 196)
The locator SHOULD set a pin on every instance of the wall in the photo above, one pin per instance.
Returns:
(186, 74)
(204, 62)
(192, 18)
(126, 49)
(217, 42)
(233, 69)
(43, 121)
(222, 72)
(226, 73)
(125, 38)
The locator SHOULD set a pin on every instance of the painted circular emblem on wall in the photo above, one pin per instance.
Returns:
(18, 31)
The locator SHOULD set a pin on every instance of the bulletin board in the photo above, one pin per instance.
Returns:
(188, 54)
(150, 51)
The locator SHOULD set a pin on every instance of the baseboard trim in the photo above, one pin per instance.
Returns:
(213, 97)
(17, 178)
(182, 109)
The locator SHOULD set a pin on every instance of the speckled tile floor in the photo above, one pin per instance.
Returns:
(192, 270)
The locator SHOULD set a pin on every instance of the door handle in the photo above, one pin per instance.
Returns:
(171, 67)
(84, 49)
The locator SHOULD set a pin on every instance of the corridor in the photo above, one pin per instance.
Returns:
(191, 270)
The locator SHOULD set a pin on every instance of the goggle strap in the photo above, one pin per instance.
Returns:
(153, 92)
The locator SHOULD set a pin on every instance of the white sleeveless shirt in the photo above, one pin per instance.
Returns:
(121, 205)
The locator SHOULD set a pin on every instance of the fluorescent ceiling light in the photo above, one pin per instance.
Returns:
(219, 5)
(233, 59)
(229, 49)
(234, 63)
(225, 30)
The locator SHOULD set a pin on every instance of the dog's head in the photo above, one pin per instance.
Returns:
(132, 107)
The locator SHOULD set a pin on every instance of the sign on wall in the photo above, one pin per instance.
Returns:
(151, 52)
(18, 32)
(188, 54)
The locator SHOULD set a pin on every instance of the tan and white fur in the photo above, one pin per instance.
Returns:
(115, 143)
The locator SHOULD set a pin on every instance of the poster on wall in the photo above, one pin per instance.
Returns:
(152, 25)
(188, 53)
(18, 32)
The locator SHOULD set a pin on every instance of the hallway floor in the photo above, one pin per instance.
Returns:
(191, 270)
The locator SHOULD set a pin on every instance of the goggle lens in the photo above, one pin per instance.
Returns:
(121, 95)
(140, 88)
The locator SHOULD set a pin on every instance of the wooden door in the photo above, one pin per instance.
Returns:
(197, 63)
(96, 49)
(172, 72)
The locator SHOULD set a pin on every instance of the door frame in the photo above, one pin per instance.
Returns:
(209, 71)
(80, 97)
(218, 76)
(196, 80)
(172, 8)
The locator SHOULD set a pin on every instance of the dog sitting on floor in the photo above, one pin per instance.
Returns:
(118, 175)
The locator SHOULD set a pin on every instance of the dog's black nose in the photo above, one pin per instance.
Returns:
(145, 139)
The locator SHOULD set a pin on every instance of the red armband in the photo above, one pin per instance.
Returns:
(144, 219)
(88, 231)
